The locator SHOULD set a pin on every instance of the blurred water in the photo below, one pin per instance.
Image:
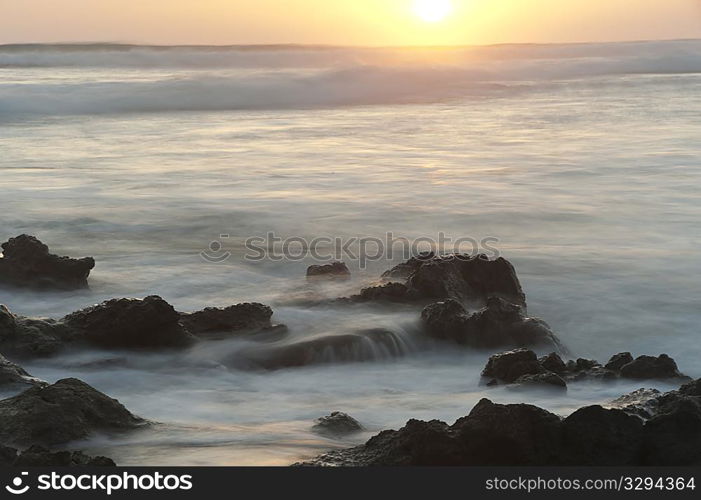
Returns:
(590, 183)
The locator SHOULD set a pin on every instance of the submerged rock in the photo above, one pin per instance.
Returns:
(27, 262)
(548, 380)
(464, 278)
(26, 337)
(338, 424)
(334, 270)
(499, 324)
(365, 345)
(642, 402)
(59, 413)
(130, 323)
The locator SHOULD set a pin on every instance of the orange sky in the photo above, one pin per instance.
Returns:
(344, 22)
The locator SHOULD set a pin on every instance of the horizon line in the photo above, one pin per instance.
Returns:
(321, 46)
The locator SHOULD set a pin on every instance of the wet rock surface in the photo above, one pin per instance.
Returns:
(364, 345)
(463, 278)
(333, 270)
(337, 424)
(525, 435)
(27, 262)
(59, 413)
(499, 324)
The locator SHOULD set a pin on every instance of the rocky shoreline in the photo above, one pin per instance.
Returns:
(467, 302)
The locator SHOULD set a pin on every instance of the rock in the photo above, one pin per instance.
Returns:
(587, 369)
(461, 277)
(547, 380)
(334, 270)
(365, 345)
(8, 455)
(649, 367)
(618, 361)
(499, 324)
(38, 456)
(26, 337)
(59, 413)
(642, 403)
(27, 262)
(13, 374)
(130, 323)
(673, 436)
(525, 435)
(338, 424)
(553, 363)
(598, 436)
(240, 318)
(510, 365)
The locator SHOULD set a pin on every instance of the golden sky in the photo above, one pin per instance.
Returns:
(344, 22)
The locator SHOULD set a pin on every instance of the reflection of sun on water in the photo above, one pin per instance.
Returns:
(433, 11)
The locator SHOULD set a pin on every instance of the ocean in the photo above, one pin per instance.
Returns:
(579, 162)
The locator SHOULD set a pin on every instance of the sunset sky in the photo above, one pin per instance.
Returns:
(346, 22)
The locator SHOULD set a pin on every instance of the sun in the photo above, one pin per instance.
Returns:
(433, 11)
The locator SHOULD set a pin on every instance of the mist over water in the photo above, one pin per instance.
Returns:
(583, 160)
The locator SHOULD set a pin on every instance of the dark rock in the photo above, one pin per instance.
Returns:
(673, 436)
(618, 361)
(8, 455)
(366, 345)
(59, 413)
(597, 436)
(649, 367)
(510, 365)
(38, 456)
(464, 278)
(130, 323)
(337, 424)
(334, 270)
(27, 262)
(240, 318)
(13, 374)
(26, 337)
(553, 363)
(499, 324)
(388, 292)
(547, 380)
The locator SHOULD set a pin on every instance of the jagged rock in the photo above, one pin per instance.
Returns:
(499, 324)
(511, 365)
(65, 411)
(649, 367)
(464, 278)
(221, 322)
(27, 262)
(618, 361)
(334, 270)
(366, 345)
(38, 456)
(598, 436)
(338, 424)
(553, 363)
(130, 323)
(547, 380)
(13, 374)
